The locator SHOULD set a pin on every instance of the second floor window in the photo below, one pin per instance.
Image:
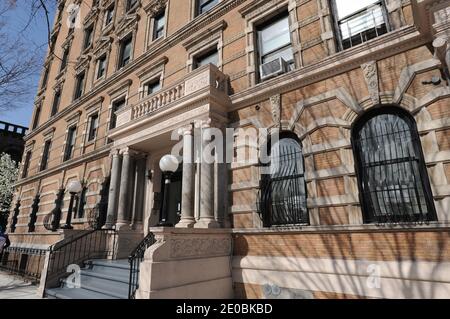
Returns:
(37, 115)
(211, 56)
(45, 77)
(109, 15)
(26, 164)
(79, 87)
(93, 127)
(45, 155)
(131, 4)
(152, 87)
(360, 21)
(56, 101)
(205, 5)
(70, 144)
(65, 59)
(158, 25)
(274, 41)
(125, 52)
(88, 36)
(117, 105)
(101, 66)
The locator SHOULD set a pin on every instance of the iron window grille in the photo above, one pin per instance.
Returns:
(361, 25)
(392, 176)
(283, 196)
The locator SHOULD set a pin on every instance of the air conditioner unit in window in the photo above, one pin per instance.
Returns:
(273, 68)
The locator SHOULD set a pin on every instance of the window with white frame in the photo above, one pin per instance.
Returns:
(274, 41)
(70, 143)
(101, 66)
(125, 51)
(210, 56)
(88, 37)
(116, 106)
(79, 85)
(359, 21)
(109, 15)
(152, 86)
(159, 23)
(203, 6)
(93, 127)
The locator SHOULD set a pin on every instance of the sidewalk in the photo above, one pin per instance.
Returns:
(12, 287)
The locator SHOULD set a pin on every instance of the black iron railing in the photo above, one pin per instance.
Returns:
(93, 244)
(282, 195)
(24, 262)
(393, 181)
(135, 259)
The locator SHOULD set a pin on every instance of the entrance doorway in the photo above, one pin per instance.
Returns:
(173, 198)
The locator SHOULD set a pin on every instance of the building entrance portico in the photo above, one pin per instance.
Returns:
(177, 121)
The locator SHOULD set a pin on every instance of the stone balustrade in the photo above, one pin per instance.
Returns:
(208, 77)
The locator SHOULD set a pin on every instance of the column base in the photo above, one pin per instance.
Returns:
(207, 223)
(123, 227)
(186, 223)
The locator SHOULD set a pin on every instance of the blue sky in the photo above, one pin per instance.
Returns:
(36, 35)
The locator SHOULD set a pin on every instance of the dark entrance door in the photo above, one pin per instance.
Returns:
(173, 199)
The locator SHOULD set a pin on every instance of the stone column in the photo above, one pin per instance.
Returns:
(125, 196)
(207, 219)
(187, 192)
(139, 193)
(113, 190)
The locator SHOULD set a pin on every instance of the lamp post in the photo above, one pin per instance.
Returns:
(168, 165)
(73, 188)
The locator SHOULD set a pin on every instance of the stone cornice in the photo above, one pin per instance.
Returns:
(379, 48)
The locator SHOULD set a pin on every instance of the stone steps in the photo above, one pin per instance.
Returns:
(100, 279)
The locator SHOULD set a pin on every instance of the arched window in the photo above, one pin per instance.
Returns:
(283, 187)
(392, 176)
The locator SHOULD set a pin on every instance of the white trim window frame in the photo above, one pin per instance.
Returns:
(259, 13)
(368, 20)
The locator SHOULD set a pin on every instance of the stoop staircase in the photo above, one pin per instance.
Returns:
(100, 279)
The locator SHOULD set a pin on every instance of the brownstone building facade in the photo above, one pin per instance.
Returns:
(358, 93)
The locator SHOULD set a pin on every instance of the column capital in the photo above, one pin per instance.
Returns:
(115, 152)
(186, 130)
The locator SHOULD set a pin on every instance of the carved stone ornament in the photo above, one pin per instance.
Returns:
(275, 102)
(155, 7)
(370, 72)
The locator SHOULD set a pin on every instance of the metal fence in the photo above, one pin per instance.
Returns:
(24, 262)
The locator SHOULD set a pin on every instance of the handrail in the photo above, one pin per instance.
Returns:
(91, 244)
(135, 259)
